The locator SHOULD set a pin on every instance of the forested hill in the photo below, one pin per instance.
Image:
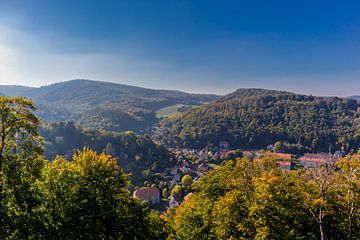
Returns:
(137, 155)
(103, 105)
(254, 118)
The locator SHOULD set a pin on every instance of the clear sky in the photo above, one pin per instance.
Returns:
(198, 46)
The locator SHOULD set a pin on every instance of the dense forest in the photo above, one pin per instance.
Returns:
(255, 118)
(103, 105)
(137, 155)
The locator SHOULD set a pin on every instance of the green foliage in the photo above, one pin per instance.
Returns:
(20, 167)
(87, 197)
(186, 181)
(254, 199)
(172, 110)
(135, 154)
(176, 191)
(255, 118)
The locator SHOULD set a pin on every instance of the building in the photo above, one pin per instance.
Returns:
(176, 179)
(151, 194)
(224, 148)
(184, 169)
(284, 156)
(173, 202)
(310, 160)
(284, 165)
(224, 145)
(174, 170)
(203, 167)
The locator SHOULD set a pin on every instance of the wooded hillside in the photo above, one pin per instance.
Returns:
(254, 118)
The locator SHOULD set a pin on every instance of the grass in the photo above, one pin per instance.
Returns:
(170, 110)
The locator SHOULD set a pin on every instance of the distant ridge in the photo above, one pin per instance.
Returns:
(354, 97)
(104, 105)
(13, 90)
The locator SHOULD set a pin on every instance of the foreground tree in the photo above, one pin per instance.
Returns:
(317, 188)
(256, 200)
(87, 199)
(348, 196)
(20, 166)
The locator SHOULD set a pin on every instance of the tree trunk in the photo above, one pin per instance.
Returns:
(322, 236)
(349, 228)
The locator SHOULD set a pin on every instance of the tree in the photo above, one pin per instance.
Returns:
(87, 197)
(176, 191)
(348, 197)
(276, 209)
(20, 166)
(279, 146)
(317, 188)
(192, 219)
(186, 181)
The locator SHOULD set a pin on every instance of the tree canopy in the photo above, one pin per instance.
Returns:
(255, 118)
(254, 199)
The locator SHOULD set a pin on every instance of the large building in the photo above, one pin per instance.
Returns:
(310, 160)
(151, 194)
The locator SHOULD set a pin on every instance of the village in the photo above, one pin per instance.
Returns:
(192, 164)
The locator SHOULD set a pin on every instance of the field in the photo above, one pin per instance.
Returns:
(172, 110)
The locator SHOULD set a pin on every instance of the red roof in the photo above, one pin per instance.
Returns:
(146, 193)
(286, 156)
(316, 160)
(285, 164)
(319, 155)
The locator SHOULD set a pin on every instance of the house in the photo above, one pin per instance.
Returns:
(151, 194)
(310, 160)
(224, 145)
(340, 154)
(172, 202)
(248, 154)
(270, 147)
(284, 165)
(174, 170)
(253, 155)
(203, 167)
(284, 156)
(176, 178)
(325, 156)
(184, 169)
(224, 148)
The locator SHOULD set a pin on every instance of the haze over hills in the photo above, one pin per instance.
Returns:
(14, 90)
(354, 97)
(254, 118)
(110, 106)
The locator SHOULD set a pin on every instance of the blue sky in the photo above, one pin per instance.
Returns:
(197, 46)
